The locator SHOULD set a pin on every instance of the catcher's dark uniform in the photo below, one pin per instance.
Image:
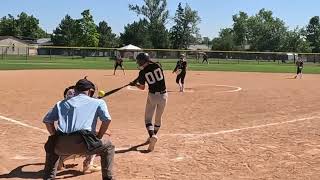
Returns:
(157, 96)
(181, 66)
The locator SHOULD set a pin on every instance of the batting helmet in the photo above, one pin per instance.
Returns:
(142, 58)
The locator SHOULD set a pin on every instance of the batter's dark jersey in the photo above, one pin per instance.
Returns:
(153, 75)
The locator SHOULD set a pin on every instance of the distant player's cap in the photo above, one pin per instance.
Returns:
(84, 85)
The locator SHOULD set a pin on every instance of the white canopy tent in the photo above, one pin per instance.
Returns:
(129, 51)
(130, 47)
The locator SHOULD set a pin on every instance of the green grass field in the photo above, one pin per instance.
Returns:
(104, 63)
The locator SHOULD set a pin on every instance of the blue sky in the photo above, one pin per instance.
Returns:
(215, 14)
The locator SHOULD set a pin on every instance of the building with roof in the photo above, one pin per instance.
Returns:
(10, 45)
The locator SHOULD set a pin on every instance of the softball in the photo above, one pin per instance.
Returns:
(101, 93)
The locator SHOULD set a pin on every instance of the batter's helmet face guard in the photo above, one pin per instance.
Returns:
(85, 85)
(142, 59)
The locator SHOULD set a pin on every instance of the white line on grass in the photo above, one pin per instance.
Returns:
(242, 129)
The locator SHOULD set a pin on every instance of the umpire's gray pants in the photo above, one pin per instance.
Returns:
(74, 144)
(155, 102)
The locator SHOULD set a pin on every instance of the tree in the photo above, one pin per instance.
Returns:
(313, 33)
(295, 41)
(89, 34)
(240, 29)
(154, 11)
(159, 36)
(106, 37)
(8, 26)
(24, 25)
(190, 24)
(28, 25)
(205, 40)
(66, 34)
(185, 30)
(225, 41)
(265, 32)
(156, 14)
(137, 34)
(176, 32)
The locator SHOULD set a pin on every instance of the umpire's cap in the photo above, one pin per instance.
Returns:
(142, 58)
(84, 85)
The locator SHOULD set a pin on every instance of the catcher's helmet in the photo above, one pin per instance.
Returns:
(142, 58)
(85, 85)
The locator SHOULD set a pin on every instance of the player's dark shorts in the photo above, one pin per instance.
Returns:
(118, 64)
(205, 59)
(299, 70)
(181, 77)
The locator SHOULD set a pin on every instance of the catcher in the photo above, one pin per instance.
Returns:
(181, 71)
(88, 166)
(75, 133)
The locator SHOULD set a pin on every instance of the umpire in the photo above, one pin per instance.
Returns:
(76, 131)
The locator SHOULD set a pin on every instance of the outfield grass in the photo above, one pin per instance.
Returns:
(104, 63)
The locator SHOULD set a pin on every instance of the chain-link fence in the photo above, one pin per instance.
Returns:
(197, 56)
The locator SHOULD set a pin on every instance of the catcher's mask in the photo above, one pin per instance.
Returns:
(85, 85)
(69, 92)
(142, 59)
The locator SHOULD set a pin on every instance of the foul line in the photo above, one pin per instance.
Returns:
(242, 129)
(183, 135)
(39, 129)
(23, 124)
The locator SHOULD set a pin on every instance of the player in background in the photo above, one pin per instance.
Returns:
(181, 71)
(205, 58)
(299, 64)
(152, 73)
(118, 62)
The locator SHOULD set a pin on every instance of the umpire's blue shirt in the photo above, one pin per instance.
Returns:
(78, 113)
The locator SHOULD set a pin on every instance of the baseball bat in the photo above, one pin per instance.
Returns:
(113, 91)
